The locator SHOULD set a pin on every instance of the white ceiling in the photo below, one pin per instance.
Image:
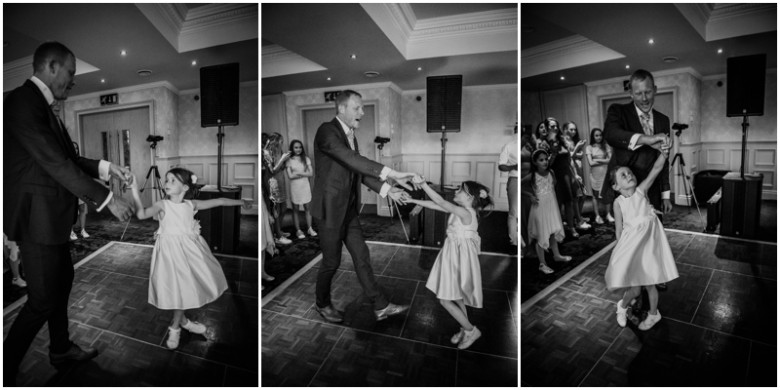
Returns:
(163, 38)
(304, 44)
(591, 42)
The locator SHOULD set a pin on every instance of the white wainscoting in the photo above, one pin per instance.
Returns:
(237, 170)
(482, 168)
(761, 157)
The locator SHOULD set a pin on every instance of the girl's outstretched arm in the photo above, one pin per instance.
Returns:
(657, 167)
(220, 202)
(618, 219)
(445, 205)
(142, 212)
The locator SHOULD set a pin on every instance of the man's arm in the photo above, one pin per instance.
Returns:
(618, 135)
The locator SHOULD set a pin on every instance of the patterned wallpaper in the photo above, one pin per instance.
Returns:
(242, 139)
(716, 126)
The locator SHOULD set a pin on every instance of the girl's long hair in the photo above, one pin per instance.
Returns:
(302, 156)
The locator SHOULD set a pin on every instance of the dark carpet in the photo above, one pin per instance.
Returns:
(291, 258)
(104, 228)
(593, 240)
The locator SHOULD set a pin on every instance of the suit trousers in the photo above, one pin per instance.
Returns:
(331, 240)
(49, 275)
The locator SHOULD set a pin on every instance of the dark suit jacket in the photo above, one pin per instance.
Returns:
(337, 168)
(42, 174)
(621, 124)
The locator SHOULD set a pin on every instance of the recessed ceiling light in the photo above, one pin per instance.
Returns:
(123, 53)
(371, 74)
(651, 41)
(720, 51)
(628, 66)
(144, 72)
(670, 59)
(102, 81)
(328, 78)
(419, 68)
(353, 56)
(194, 62)
(563, 78)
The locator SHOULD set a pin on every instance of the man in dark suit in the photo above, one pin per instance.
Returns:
(637, 132)
(339, 171)
(43, 177)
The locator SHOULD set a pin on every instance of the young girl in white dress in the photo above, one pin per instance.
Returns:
(184, 274)
(544, 217)
(299, 171)
(642, 256)
(455, 277)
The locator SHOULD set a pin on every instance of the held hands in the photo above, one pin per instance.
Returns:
(121, 173)
(247, 204)
(398, 195)
(403, 178)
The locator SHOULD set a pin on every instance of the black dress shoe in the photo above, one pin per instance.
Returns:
(391, 310)
(73, 355)
(329, 313)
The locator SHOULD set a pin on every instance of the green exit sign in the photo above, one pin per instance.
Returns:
(109, 99)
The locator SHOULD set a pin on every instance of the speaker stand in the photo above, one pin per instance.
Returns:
(745, 125)
(220, 135)
(443, 149)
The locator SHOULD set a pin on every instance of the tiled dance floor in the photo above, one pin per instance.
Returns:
(109, 310)
(719, 325)
(413, 349)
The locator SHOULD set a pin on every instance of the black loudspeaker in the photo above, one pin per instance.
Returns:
(745, 85)
(435, 222)
(741, 205)
(219, 95)
(220, 226)
(443, 105)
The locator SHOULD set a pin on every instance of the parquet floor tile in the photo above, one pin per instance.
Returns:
(477, 370)
(361, 359)
(294, 348)
(673, 354)
(411, 349)
(740, 305)
(719, 326)
(743, 257)
(109, 309)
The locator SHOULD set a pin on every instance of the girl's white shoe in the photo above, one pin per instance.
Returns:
(458, 336)
(469, 337)
(621, 314)
(194, 327)
(650, 321)
(173, 338)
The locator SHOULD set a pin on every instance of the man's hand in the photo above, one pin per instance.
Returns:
(121, 208)
(667, 206)
(398, 195)
(121, 173)
(403, 178)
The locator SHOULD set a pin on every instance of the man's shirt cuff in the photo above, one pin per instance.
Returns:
(666, 194)
(383, 175)
(632, 144)
(103, 170)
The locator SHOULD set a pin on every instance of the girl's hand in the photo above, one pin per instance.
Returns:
(286, 156)
(534, 200)
(247, 204)
(418, 179)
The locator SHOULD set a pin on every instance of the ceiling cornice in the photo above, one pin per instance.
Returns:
(473, 33)
(729, 20)
(278, 61)
(202, 27)
(564, 53)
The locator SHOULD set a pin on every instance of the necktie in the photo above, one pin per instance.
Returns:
(351, 138)
(647, 126)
